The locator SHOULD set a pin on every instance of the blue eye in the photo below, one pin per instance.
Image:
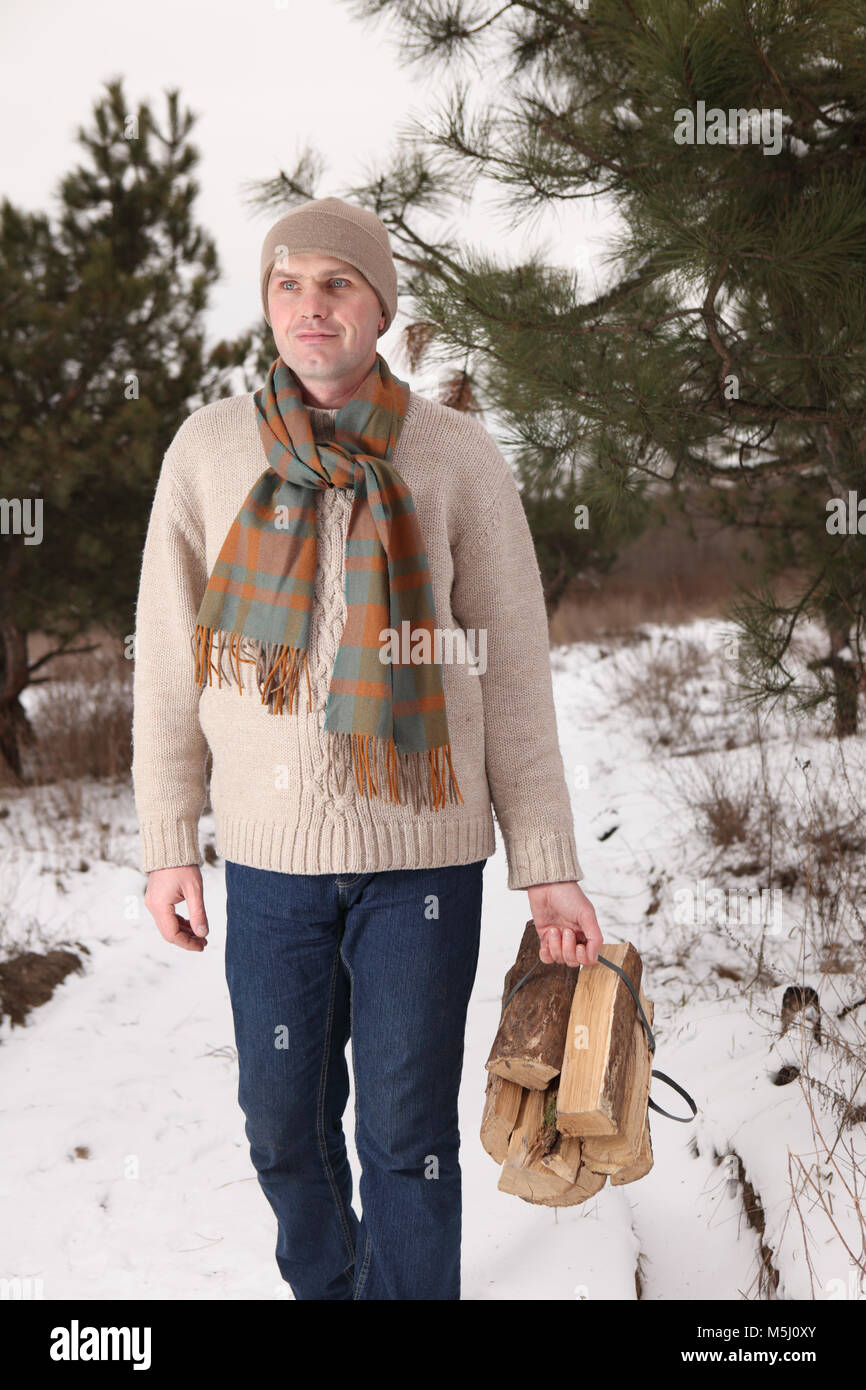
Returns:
(342, 278)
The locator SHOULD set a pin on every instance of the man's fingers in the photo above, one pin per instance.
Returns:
(562, 947)
(594, 939)
(197, 914)
(167, 888)
(182, 935)
(174, 928)
(570, 948)
(187, 939)
(552, 943)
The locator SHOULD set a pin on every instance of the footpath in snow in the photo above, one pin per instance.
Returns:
(125, 1169)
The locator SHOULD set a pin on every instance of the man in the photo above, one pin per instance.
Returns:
(297, 533)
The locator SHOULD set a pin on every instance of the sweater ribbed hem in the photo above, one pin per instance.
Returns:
(168, 844)
(546, 856)
(326, 843)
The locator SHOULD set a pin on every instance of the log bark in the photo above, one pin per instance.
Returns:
(592, 1085)
(530, 1040)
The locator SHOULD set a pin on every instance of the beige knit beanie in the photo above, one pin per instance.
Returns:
(334, 227)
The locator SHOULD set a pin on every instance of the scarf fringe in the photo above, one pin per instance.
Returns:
(427, 776)
(278, 668)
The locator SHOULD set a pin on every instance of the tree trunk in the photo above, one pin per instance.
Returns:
(846, 673)
(846, 686)
(554, 586)
(15, 727)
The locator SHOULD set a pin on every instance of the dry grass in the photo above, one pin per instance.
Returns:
(81, 719)
(77, 765)
(757, 811)
(672, 686)
(663, 690)
(725, 814)
(668, 576)
(813, 842)
(619, 606)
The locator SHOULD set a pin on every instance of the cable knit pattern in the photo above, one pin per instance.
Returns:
(274, 807)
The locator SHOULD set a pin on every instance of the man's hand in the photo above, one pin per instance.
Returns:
(565, 920)
(165, 887)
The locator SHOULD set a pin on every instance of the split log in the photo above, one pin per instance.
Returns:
(501, 1108)
(587, 1185)
(563, 1158)
(530, 1040)
(541, 1165)
(592, 1085)
(612, 1153)
(643, 1162)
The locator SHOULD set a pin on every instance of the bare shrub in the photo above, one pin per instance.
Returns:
(725, 810)
(83, 727)
(81, 717)
(668, 690)
(79, 758)
(804, 828)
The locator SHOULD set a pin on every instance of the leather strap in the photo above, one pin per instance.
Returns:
(662, 1076)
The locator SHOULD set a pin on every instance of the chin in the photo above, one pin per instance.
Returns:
(309, 362)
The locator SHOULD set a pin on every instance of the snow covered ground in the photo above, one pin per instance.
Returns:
(125, 1171)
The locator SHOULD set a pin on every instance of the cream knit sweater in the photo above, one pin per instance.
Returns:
(272, 806)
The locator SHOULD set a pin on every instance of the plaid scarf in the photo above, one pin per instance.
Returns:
(389, 718)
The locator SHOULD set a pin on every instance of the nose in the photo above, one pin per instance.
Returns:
(312, 303)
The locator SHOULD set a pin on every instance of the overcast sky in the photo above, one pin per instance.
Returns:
(266, 78)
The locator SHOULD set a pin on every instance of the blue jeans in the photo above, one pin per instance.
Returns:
(390, 959)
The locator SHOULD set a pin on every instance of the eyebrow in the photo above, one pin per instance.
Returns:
(291, 275)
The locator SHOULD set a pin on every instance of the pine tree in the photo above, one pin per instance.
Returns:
(101, 357)
(727, 348)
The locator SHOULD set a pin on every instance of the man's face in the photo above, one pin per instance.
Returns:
(325, 318)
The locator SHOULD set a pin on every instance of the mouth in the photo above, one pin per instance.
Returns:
(314, 337)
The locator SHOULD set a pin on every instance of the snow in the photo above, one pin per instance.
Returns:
(132, 1062)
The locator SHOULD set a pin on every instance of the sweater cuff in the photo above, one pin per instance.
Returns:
(169, 844)
(545, 856)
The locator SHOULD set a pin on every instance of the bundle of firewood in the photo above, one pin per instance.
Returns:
(569, 1072)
